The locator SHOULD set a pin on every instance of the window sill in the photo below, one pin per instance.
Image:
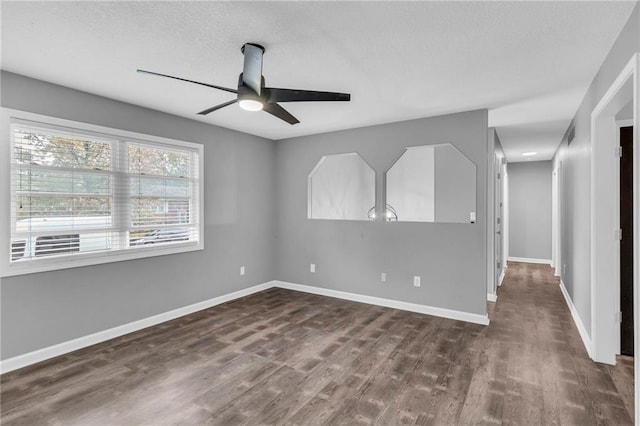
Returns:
(88, 259)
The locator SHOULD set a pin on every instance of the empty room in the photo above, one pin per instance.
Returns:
(301, 213)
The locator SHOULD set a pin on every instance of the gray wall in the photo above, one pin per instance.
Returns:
(455, 192)
(497, 144)
(39, 310)
(576, 174)
(350, 255)
(626, 113)
(530, 209)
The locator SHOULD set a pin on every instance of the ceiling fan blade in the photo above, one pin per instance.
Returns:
(252, 69)
(226, 89)
(214, 108)
(277, 111)
(293, 95)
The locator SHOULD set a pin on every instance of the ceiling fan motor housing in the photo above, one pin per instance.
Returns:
(246, 92)
(259, 46)
(252, 69)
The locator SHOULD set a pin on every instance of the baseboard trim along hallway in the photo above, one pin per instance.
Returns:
(576, 319)
(49, 352)
(529, 260)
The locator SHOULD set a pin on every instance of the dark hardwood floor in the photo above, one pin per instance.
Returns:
(282, 357)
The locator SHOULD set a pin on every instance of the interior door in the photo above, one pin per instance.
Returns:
(626, 243)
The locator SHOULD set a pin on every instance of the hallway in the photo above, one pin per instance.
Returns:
(541, 359)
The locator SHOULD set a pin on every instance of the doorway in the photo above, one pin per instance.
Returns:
(499, 225)
(626, 240)
(556, 223)
(605, 216)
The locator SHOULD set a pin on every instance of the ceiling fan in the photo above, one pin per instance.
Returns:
(252, 95)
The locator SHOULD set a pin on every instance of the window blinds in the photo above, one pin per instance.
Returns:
(76, 192)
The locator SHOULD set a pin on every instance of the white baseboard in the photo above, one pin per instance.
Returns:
(501, 278)
(29, 358)
(576, 319)
(529, 260)
(492, 297)
(43, 354)
(389, 303)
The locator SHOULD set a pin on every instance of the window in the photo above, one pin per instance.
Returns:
(78, 195)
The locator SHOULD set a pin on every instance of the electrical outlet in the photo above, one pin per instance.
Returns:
(312, 267)
(242, 270)
(416, 281)
(383, 277)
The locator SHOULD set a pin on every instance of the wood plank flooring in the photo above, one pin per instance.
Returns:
(283, 357)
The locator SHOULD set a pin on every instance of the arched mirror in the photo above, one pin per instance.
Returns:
(341, 187)
(431, 183)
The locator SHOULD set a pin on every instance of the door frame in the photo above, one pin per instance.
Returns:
(556, 217)
(603, 219)
(616, 190)
(498, 214)
(604, 223)
(505, 216)
(504, 220)
(495, 186)
(491, 178)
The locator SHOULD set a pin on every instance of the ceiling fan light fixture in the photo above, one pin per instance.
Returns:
(251, 105)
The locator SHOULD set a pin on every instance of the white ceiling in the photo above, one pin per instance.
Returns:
(528, 63)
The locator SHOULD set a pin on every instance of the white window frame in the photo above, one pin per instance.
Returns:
(8, 268)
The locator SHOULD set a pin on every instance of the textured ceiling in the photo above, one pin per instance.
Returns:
(529, 63)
